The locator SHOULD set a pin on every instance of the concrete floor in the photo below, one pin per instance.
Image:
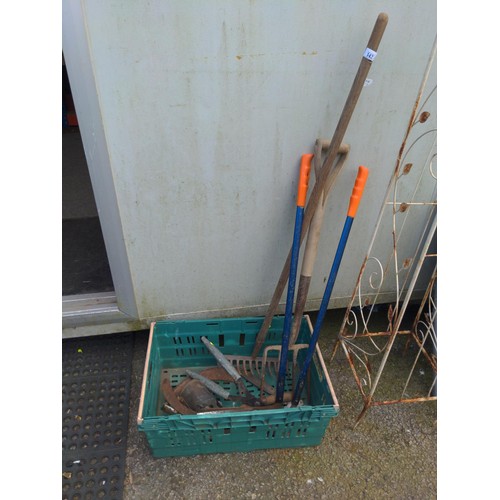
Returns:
(390, 454)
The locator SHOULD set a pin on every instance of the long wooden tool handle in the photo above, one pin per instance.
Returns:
(356, 88)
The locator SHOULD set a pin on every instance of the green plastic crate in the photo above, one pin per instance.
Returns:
(176, 345)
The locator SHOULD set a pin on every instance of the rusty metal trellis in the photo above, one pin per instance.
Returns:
(409, 208)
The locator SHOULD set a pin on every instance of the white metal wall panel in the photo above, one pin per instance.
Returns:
(207, 108)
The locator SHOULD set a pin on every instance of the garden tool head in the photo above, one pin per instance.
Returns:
(197, 397)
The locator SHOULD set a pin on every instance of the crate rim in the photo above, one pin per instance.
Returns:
(140, 417)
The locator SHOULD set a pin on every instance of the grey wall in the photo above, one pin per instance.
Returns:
(203, 111)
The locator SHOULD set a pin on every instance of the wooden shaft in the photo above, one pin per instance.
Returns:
(352, 98)
(309, 258)
(334, 173)
(350, 104)
(309, 252)
(313, 235)
(312, 243)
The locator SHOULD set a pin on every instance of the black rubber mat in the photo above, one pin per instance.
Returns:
(96, 374)
(85, 262)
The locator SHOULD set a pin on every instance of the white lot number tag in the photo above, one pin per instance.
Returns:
(369, 54)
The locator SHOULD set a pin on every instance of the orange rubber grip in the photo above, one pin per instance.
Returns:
(357, 191)
(305, 170)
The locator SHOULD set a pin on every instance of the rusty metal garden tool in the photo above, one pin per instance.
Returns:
(251, 369)
(313, 235)
(305, 170)
(249, 398)
(357, 193)
(356, 88)
(176, 404)
(266, 362)
(173, 401)
(208, 378)
(197, 396)
(215, 388)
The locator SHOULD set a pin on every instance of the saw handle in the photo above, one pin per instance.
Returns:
(357, 191)
(305, 170)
